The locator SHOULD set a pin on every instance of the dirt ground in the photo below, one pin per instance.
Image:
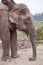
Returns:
(24, 55)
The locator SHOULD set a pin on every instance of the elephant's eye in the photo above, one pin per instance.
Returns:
(27, 19)
(23, 12)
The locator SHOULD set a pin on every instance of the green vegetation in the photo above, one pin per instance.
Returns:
(21, 36)
(38, 25)
(39, 32)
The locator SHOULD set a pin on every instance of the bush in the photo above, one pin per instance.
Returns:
(39, 34)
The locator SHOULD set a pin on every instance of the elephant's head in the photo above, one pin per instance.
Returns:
(21, 21)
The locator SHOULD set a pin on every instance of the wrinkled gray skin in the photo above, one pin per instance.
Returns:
(19, 19)
(21, 16)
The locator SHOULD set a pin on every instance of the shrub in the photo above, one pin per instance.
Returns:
(39, 34)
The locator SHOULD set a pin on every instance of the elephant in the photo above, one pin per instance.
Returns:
(7, 35)
(20, 18)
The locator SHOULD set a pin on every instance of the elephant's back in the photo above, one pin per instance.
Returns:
(3, 7)
(22, 6)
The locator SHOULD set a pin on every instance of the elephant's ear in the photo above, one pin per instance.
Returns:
(13, 17)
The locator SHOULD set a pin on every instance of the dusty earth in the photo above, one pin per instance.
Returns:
(24, 55)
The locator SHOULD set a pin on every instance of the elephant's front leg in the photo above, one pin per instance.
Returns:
(13, 43)
(5, 44)
(5, 34)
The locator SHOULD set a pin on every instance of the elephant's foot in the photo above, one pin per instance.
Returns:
(32, 58)
(6, 59)
(15, 56)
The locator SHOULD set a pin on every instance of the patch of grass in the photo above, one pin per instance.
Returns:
(21, 36)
